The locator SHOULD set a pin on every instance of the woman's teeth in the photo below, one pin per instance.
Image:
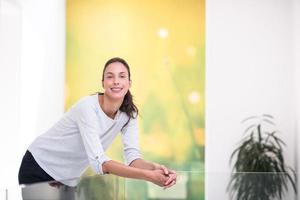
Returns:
(116, 89)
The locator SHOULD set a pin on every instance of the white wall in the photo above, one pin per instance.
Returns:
(32, 63)
(296, 60)
(250, 71)
(10, 60)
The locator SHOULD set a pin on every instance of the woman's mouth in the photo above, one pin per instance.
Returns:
(116, 89)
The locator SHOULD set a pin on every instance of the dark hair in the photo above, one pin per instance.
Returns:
(127, 105)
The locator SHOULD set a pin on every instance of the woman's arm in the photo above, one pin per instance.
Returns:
(133, 156)
(143, 164)
(155, 176)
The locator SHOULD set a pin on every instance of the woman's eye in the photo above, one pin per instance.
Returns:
(109, 77)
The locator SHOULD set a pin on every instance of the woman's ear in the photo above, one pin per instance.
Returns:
(130, 84)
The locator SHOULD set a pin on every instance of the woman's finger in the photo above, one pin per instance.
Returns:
(170, 179)
(166, 171)
(170, 185)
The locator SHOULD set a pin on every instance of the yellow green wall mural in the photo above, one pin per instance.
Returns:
(164, 44)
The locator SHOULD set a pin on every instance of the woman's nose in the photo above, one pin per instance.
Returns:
(116, 81)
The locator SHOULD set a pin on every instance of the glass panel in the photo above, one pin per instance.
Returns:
(189, 186)
(254, 186)
(90, 187)
(261, 186)
(3, 193)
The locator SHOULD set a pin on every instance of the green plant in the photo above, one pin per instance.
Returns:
(259, 171)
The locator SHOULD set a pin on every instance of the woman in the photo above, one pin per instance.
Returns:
(82, 135)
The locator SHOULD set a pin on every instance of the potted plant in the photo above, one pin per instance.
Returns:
(259, 170)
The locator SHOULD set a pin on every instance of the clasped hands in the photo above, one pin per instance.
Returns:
(163, 176)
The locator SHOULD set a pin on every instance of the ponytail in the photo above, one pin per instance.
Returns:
(129, 107)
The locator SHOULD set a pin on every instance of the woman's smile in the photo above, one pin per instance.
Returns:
(116, 89)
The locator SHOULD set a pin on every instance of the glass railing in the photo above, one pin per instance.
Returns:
(189, 186)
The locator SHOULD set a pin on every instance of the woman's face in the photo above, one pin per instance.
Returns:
(116, 81)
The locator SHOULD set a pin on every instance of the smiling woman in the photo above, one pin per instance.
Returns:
(81, 137)
(116, 82)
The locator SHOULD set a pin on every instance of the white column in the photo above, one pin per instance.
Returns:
(10, 62)
(32, 65)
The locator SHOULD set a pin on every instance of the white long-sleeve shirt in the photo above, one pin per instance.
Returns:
(80, 138)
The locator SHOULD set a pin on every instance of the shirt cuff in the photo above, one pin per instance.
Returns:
(97, 162)
(131, 158)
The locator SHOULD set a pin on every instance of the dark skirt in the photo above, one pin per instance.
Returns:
(30, 171)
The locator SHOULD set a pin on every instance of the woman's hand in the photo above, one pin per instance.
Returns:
(171, 180)
(55, 184)
(157, 177)
(171, 174)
